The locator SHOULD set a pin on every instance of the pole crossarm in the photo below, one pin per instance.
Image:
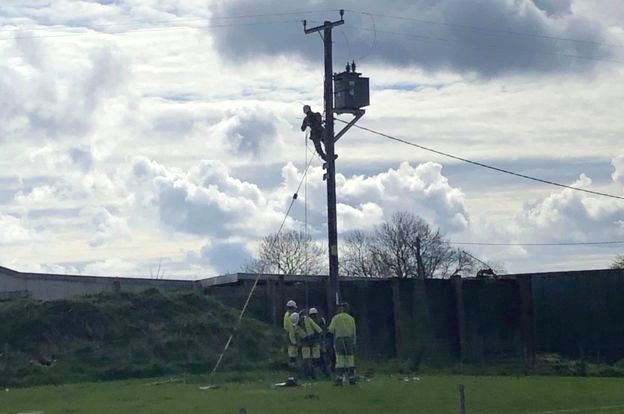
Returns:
(357, 113)
(325, 26)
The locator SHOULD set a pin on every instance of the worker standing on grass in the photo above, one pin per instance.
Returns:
(291, 347)
(342, 326)
(311, 344)
(296, 338)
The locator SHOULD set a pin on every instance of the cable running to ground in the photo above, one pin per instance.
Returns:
(479, 164)
(257, 279)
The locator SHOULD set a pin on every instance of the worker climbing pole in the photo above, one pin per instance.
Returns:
(352, 93)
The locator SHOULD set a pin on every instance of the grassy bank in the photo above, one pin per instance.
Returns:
(117, 336)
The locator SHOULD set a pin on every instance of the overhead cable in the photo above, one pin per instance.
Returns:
(591, 243)
(480, 164)
(490, 46)
(489, 30)
(144, 30)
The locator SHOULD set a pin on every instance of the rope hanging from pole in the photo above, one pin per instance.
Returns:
(261, 273)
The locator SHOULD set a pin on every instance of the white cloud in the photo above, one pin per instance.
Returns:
(458, 37)
(41, 195)
(206, 200)
(46, 98)
(247, 131)
(364, 217)
(14, 230)
(112, 267)
(618, 173)
(421, 189)
(105, 226)
(152, 133)
(568, 215)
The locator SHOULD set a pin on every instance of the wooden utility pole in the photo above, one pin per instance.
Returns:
(333, 288)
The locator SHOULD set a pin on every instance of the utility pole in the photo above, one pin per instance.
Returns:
(333, 287)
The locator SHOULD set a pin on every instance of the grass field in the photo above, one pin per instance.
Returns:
(381, 394)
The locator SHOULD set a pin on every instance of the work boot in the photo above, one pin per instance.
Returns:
(325, 163)
(309, 370)
(340, 376)
(352, 376)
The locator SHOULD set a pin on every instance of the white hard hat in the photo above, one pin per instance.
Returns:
(306, 109)
(294, 318)
(313, 311)
(291, 304)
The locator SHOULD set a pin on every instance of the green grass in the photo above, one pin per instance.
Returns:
(380, 394)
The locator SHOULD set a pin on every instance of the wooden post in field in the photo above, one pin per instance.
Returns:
(462, 400)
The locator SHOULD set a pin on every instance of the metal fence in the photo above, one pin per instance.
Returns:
(445, 321)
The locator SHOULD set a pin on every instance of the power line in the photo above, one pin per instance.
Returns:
(479, 164)
(175, 21)
(490, 30)
(491, 46)
(596, 243)
(152, 29)
(302, 12)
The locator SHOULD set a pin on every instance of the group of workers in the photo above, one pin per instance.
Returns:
(309, 338)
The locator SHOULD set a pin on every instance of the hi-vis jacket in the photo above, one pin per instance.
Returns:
(342, 325)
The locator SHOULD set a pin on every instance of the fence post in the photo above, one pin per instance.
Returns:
(366, 345)
(462, 400)
(281, 297)
(396, 302)
(461, 317)
(527, 321)
(272, 302)
(6, 357)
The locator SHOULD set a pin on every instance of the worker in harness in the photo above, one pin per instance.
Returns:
(291, 342)
(314, 121)
(311, 344)
(342, 326)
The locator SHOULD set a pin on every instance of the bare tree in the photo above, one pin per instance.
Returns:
(405, 246)
(395, 245)
(460, 263)
(357, 256)
(618, 262)
(290, 252)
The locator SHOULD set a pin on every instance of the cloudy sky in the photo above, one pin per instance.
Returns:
(139, 134)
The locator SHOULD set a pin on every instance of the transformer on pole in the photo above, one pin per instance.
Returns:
(351, 94)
